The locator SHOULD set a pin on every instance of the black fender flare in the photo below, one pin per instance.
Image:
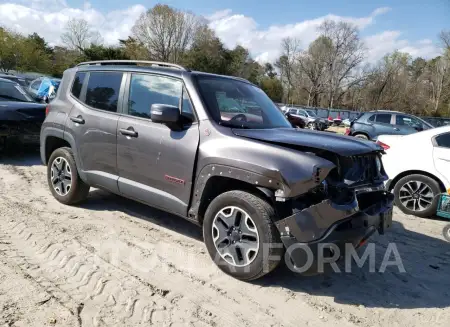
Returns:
(263, 183)
(71, 140)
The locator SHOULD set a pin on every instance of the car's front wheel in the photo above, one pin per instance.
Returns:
(240, 235)
(63, 179)
(311, 126)
(417, 195)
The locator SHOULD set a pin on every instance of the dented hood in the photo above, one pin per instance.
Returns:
(339, 144)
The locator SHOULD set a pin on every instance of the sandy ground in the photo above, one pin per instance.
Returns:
(114, 262)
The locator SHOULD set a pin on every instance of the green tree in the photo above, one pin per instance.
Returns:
(100, 52)
(207, 53)
(9, 44)
(273, 88)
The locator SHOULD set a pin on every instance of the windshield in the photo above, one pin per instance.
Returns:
(239, 104)
(13, 92)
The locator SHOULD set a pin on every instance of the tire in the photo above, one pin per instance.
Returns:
(361, 136)
(78, 190)
(446, 233)
(403, 191)
(261, 216)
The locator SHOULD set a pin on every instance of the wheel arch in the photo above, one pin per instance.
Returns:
(52, 143)
(215, 185)
(415, 172)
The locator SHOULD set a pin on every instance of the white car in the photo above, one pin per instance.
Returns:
(418, 166)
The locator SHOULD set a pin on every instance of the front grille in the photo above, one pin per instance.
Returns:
(358, 169)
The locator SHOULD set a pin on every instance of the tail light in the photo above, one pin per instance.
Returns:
(383, 145)
(347, 131)
(47, 109)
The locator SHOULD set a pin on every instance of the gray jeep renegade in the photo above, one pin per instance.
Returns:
(214, 150)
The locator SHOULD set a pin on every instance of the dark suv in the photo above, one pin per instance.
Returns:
(370, 125)
(216, 151)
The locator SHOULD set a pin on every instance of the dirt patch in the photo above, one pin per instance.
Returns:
(112, 261)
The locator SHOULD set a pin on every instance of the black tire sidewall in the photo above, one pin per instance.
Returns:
(433, 184)
(255, 268)
(76, 190)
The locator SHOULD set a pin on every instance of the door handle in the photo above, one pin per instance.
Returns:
(128, 132)
(78, 119)
(396, 129)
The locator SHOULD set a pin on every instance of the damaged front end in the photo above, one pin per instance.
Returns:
(348, 206)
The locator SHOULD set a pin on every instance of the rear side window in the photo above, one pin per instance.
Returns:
(443, 140)
(146, 90)
(383, 118)
(78, 84)
(103, 90)
(35, 85)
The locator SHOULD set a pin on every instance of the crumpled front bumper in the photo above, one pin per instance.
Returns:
(327, 222)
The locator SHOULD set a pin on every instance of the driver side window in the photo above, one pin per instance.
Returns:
(404, 120)
(146, 90)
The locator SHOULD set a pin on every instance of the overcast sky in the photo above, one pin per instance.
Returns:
(406, 25)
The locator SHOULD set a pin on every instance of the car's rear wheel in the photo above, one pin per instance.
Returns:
(63, 179)
(362, 136)
(311, 126)
(417, 195)
(240, 235)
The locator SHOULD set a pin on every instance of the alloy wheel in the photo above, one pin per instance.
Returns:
(416, 196)
(61, 176)
(235, 236)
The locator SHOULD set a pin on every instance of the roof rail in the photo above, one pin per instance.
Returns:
(133, 62)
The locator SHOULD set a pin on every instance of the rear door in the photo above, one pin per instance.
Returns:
(155, 163)
(441, 154)
(383, 124)
(93, 124)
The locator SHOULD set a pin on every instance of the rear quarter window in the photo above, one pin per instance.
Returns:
(383, 118)
(443, 140)
(78, 84)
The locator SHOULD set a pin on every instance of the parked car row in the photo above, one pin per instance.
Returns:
(305, 118)
(370, 125)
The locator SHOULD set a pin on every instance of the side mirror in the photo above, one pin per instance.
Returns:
(164, 114)
(418, 128)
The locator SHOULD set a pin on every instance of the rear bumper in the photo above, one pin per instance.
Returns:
(329, 223)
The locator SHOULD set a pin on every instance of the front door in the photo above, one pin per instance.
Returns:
(405, 124)
(93, 125)
(155, 163)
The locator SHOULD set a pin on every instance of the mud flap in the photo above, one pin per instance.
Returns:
(385, 221)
